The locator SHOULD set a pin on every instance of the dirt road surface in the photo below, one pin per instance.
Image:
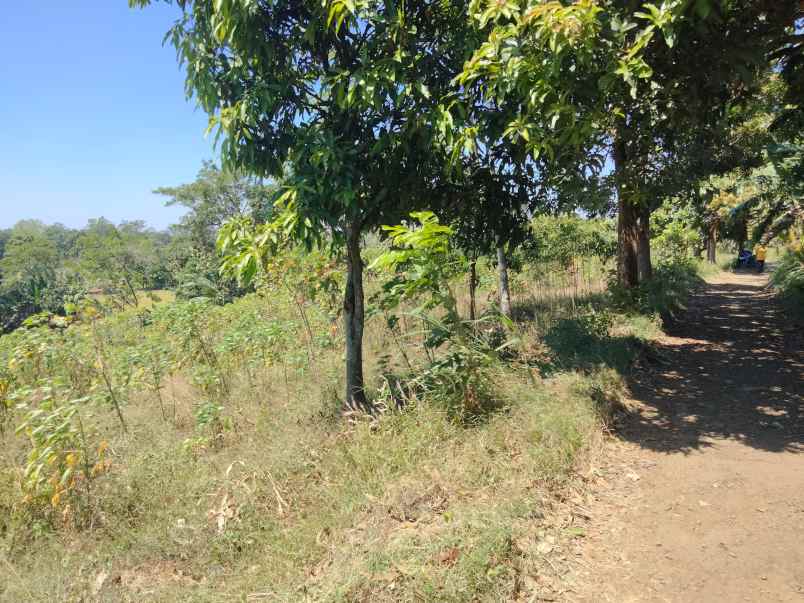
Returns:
(702, 495)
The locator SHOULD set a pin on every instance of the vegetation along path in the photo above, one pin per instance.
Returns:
(703, 498)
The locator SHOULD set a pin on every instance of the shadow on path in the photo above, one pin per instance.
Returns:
(732, 367)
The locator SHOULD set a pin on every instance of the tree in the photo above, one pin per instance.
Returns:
(213, 198)
(767, 201)
(760, 196)
(5, 235)
(488, 211)
(648, 85)
(336, 99)
(31, 280)
(668, 132)
(526, 114)
(122, 260)
(30, 259)
(63, 238)
(553, 70)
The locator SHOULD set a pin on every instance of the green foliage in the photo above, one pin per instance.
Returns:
(564, 239)
(215, 197)
(461, 380)
(29, 257)
(117, 260)
(578, 333)
(548, 105)
(421, 263)
(190, 323)
(761, 198)
(320, 96)
(45, 268)
(153, 361)
(197, 275)
(31, 279)
(665, 294)
(675, 232)
(62, 462)
(788, 278)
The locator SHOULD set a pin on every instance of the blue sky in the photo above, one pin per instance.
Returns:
(93, 114)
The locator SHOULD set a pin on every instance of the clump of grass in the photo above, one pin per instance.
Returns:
(665, 294)
(451, 527)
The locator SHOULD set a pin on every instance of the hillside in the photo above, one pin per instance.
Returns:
(228, 470)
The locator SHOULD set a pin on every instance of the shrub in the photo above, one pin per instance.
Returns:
(664, 294)
(63, 461)
(788, 279)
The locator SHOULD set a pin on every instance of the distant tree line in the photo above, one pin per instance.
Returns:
(45, 266)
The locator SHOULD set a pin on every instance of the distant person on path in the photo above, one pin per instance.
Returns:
(759, 253)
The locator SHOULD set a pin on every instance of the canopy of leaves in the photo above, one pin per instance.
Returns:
(549, 67)
(338, 98)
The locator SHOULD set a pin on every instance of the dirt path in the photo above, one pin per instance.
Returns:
(702, 498)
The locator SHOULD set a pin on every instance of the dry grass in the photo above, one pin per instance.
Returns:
(146, 299)
(290, 503)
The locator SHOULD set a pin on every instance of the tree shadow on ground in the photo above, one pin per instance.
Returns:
(573, 347)
(577, 335)
(732, 367)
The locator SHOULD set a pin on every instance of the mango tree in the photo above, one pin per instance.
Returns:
(335, 99)
(670, 130)
(551, 68)
(646, 84)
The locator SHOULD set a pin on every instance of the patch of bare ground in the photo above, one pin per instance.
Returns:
(700, 496)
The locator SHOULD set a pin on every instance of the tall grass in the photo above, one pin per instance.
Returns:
(788, 279)
(238, 480)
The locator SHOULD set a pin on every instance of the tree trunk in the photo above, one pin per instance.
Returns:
(644, 265)
(503, 288)
(627, 223)
(472, 289)
(711, 245)
(354, 320)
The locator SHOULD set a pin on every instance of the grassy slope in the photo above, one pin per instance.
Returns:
(291, 503)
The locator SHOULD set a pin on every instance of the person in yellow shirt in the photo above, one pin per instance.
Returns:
(759, 254)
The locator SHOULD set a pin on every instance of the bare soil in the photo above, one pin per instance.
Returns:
(701, 497)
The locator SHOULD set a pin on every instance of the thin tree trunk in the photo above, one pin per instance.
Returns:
(158, 388)
(472, 289)
(100, 352)
(131, 290)
(627, 227)
(627, 237)
(711, 245)
(354, 320)
(644, 265)
(502, 285)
